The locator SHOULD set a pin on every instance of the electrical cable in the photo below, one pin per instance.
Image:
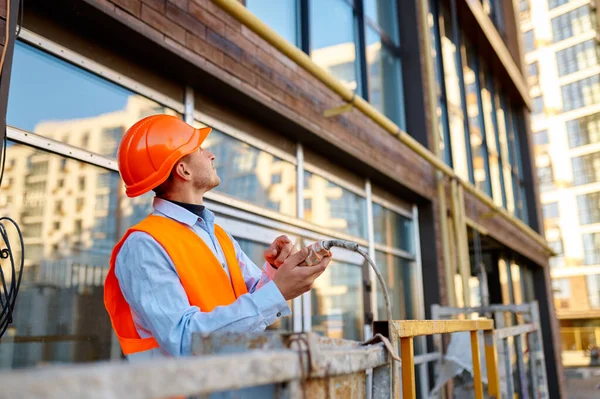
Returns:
(9, 285)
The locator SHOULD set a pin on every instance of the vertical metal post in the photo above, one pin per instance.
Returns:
(577, 335)
(421, 341)
(188, 105)
(476, 365)
(491, 362)
(371, 238)
(597, 335)
(521, 367)
(298, 309)
(407, 354)
(510, 387)
(533, 373)
(539, 349)
(460, 233)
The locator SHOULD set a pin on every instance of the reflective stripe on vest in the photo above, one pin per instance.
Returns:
(202, 276)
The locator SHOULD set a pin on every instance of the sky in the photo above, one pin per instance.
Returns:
(45, 88)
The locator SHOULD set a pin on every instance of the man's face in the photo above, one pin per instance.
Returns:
(204, 173)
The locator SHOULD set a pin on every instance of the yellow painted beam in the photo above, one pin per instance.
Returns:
(414, 328)
(491, 362)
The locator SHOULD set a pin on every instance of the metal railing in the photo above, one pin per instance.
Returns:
(265, 365)
(525, 330)
(579, 338)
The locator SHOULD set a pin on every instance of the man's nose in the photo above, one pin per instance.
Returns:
(211, 155)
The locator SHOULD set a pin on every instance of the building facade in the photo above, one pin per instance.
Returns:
(449, 73)
(562, 56)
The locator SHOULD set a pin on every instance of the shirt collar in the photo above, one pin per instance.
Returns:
(175, 212)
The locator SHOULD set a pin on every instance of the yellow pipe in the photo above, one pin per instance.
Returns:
(239, 12)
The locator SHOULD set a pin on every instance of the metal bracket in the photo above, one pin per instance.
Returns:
(328, 113)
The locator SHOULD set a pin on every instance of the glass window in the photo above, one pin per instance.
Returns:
(442, 109)
(593, 286)
(400, 277)
(561, 288)
(337, 301)
(577, 57)
(477, 138)
(572, 23)
(589, 208)
(533, 72)
(537, 105)
(559, 259)
(333, 40)
(555, 3)
(453, 97)
(591, 248)
(334, 207)
(55, 99)
(584, 130)
(392, 229)
(586, 168)
(384, 15)
(255, 252)
(541, 138)
(550, 211)
(545, 178)
(247, 173)
(529, 41)
(66, 261)
(489, 117)
(502, 122)
(384, 77)
(281, 15)
(581, 93)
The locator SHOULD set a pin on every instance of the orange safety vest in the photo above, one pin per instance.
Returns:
(204, 280)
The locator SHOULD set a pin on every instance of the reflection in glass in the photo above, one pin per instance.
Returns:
(337, 302)
(55, 99)
(281, 15)
(333, 40)
(400, 278)
(383, 13)
(255, 251)
(455, 111)
(384, 66)
(392, 229)
(490, 133)
(501, 117)
(253, 175)
(69, 230)
(329, 205)
(478, 151)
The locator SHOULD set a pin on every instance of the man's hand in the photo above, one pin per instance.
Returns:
(293, 280)
(279, 251)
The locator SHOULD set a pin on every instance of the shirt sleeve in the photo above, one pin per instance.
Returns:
(151, 286)
(253, 275)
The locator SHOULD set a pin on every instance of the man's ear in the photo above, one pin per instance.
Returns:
(181, 170)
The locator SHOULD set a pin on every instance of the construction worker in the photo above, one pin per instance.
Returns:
(176, 272)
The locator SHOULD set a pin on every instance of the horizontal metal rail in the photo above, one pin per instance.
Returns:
(515, 331)
(444, 311)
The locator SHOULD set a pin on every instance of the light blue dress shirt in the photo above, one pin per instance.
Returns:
(159, 305)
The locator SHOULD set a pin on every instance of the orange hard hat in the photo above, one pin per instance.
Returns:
(150, 149)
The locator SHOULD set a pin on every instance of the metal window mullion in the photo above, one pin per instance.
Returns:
(461, 83)
(298, 302)
(363, 73)
(188, 106)
(304, 21)
(371, 238)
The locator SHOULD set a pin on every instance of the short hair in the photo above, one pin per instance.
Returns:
(165, 186)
